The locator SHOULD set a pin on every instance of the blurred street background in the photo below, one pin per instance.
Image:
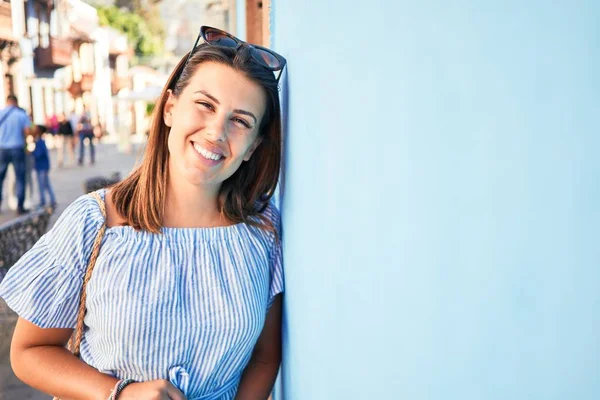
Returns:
(69, 181)
(68, 187)
(102, 60)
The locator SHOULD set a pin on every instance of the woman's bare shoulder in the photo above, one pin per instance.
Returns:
(113, 218)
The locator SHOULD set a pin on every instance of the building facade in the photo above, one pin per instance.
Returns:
(182, 20)
(16, 52)
(10, 50)
(56, 59)
(120, 54)
(47, 30)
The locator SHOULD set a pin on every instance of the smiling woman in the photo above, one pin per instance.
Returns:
(222, 101)
(211, 138)
(185, 296)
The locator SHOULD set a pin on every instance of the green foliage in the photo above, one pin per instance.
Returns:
(146, 40)
(150, 108)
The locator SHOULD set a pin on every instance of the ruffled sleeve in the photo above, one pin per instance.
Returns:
(44, 286)
(276, 259)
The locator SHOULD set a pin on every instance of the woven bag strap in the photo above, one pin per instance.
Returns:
(75, 342)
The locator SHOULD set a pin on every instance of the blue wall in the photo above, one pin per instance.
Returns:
(442, 199)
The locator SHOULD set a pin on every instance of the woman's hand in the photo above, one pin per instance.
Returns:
(152, 390)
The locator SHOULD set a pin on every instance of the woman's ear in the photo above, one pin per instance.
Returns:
(252, 148)
(168, 110)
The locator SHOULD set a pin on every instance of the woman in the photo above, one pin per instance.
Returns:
(185, 298)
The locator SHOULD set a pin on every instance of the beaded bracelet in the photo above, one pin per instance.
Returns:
(113, 390)
(119, 388)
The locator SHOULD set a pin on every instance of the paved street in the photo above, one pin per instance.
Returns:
(67, 183)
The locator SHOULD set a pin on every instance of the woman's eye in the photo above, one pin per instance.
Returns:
(242, 122)
(206, 105)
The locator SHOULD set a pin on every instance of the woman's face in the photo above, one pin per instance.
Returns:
(214, 124)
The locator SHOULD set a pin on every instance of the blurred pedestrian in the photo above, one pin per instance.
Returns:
(99, 130)
(52, 124)
(14, 127)
(66, 140)
(42, 167)
(184, 292)
(74, 119)
(86, 133)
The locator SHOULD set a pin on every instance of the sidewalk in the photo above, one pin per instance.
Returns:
(67, 182)
(68, 186)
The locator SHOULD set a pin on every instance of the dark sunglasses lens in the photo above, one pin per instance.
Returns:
(218, 38)
(266, 58)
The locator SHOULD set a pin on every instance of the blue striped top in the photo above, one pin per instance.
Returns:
(187, 305)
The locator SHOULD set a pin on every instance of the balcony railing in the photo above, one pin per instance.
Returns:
(87, 82)
(56, 55)
(6, 27)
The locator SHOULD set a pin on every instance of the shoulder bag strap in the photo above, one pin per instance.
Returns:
(75, 342)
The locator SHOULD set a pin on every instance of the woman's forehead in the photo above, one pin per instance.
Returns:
(228, 86)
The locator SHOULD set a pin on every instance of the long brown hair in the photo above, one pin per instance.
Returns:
(140, 197)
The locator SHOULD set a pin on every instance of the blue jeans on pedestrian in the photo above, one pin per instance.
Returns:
(45, 187)
(83, 136)
(16, 157)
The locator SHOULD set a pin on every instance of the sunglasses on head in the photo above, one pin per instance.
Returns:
(216, 37)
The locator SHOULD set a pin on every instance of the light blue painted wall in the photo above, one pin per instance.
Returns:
(442, 199)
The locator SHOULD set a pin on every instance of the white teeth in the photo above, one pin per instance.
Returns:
(207, 154)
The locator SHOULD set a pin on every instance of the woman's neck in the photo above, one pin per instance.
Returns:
(190, 206)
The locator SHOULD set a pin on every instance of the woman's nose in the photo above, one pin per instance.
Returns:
(217, 130)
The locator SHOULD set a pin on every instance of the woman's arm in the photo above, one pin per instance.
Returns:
(39, 359)
(260, 373)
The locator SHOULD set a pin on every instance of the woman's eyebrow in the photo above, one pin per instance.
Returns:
(204, 92)
(246, 113)
(213, 98)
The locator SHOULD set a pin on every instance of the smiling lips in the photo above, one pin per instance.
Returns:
(209, 155)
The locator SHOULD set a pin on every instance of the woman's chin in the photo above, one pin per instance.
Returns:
(200, 178)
